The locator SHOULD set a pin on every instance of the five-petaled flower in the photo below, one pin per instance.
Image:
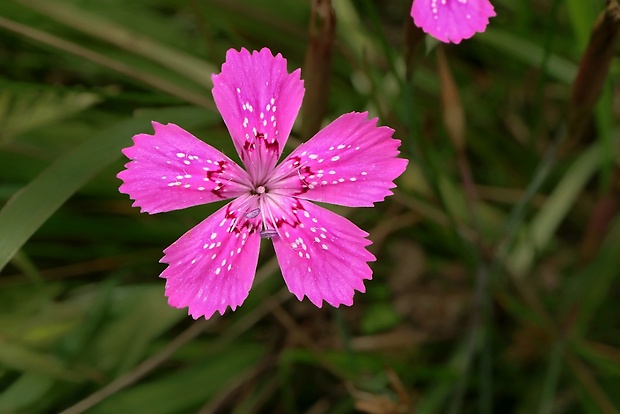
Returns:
(323, 256)
(452, 20)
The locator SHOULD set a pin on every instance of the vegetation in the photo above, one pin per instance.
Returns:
(496, 282)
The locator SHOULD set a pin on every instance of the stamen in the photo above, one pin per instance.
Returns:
(252, 213)
(268, 233)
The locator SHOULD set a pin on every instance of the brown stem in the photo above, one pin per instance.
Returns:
(593, 70)
(317, 66)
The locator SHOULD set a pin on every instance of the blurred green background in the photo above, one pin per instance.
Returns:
(496, 284)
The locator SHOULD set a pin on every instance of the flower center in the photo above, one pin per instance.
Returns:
(260, 190)
(267, 220)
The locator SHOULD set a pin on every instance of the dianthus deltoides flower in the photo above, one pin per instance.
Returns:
(323, 256)
(452, 20)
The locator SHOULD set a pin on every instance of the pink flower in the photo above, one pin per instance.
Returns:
(323, 256)
(452, 20)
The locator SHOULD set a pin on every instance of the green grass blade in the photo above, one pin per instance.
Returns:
(184, 64)
(530, 53)
(24, 392)
(29, 208)
(550, 216)
(187, 388)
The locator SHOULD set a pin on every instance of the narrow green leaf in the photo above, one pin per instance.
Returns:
(595, 283)
(20, 358)
(131, 326)
(21, 112)
(546, 222)
(29, 208)
(184, 64)
(552, 375)
(582, 15)
(529, 53)
(185, 389)
(25, 391)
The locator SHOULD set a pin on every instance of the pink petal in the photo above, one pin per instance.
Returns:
(172, 169)
(259, 101)
(212, 266)
(322, 254)
(452, 20)
(350, 162)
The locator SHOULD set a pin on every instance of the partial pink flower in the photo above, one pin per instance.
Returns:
(452, 20)
(323, 256)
